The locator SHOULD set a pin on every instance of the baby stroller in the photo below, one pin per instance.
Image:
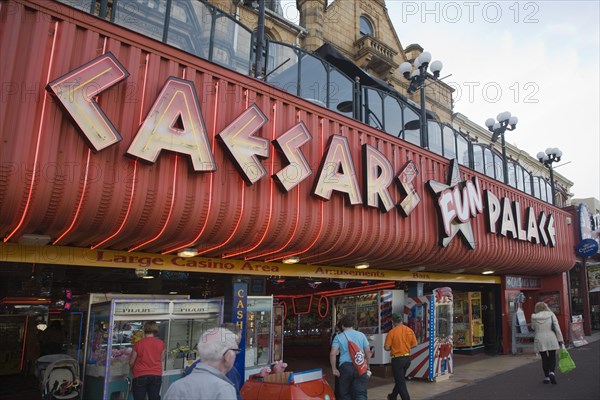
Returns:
(59, 377)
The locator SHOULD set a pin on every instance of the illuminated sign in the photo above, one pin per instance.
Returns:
(175, 123)
(458, 202)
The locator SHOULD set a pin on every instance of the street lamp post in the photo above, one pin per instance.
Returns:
(506, 122)
(417, 82)
(551, 155)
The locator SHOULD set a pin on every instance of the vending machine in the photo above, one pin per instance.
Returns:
(430, 317)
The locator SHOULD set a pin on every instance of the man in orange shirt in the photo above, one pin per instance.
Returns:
(398, 342)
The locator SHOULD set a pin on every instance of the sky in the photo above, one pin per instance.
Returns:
(540, 60)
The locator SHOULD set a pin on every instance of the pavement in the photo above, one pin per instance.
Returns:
(509, 377)
(482, 376)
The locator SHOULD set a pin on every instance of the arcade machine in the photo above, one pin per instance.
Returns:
(114, 327)
(468, 325)
(264, 334)
(430, 317)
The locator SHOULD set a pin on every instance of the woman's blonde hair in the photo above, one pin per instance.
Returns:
(541, 306)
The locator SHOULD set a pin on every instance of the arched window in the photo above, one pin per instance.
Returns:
(449, 142)
(462, 147)
(373, 108)
(528, 182)
(392, 116)
(366, 27)
(412, 131)
(434, 132)
(489, 163)
(519, 174)
(478, 162)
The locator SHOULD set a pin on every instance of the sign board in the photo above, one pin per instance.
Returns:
(587, 248)
(195, 308)
(129, 307)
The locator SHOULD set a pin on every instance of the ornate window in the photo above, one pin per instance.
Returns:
(366, 27)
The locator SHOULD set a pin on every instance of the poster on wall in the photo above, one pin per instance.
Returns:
(552, 299)
(594, 278)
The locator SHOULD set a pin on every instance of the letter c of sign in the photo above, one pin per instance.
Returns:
(241, 293)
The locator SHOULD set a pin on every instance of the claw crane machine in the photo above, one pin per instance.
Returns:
(430, 317)
(468, 324)
(114, 326)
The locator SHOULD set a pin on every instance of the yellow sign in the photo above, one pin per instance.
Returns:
(59, 255)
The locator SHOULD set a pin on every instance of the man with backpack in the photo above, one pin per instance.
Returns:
(353, 384)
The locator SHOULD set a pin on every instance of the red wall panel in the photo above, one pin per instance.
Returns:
(52, 183)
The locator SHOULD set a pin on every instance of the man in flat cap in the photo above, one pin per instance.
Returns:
(399, 342)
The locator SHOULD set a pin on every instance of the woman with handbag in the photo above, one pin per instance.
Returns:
(548, 339)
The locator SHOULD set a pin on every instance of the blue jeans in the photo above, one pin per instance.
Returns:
(399, 367)
(352, 386)
(149, 384)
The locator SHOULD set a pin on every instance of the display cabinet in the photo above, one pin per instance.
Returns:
(468, 325)
(114, 327)
(364, 307)
(12, 341)
(278, 311)
(263, 341)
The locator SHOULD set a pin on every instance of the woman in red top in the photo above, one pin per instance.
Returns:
(147, 364)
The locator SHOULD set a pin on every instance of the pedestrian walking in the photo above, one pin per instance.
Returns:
(548, 338)
(217, 349)
(351, 385)
(146, 361)
(398, 342)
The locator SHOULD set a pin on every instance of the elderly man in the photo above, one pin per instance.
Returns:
(217, 349)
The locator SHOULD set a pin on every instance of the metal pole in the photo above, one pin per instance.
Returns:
(424, 136)
(551, 182)
(504, 162)
(260, 38)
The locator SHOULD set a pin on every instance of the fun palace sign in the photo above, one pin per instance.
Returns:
(175, 123)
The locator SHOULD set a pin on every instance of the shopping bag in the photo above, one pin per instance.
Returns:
(565, 362)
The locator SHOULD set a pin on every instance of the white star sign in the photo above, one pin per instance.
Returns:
(458, 202)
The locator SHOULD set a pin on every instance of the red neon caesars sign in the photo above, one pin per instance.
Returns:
(175, 123)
